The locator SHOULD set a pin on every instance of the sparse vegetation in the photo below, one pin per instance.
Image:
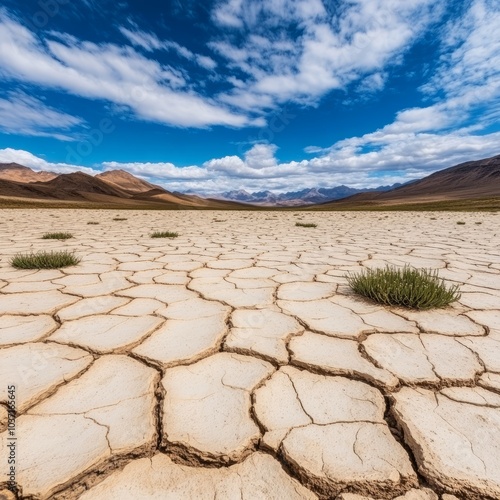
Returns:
(119, 218)
(461, 223)
(57, 236)
(164, 234)
(45, 260)
(306, 224)
(405, 287)
(93, 223)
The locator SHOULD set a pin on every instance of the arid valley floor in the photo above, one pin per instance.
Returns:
(234, 361)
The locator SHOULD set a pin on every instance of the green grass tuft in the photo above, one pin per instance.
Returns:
(57, 236)
(405, 287)
(306, 224)
(164, 234)
(45, 260)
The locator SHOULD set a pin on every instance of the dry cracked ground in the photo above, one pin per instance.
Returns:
(234, 362)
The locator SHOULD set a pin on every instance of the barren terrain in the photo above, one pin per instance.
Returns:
(234, 362)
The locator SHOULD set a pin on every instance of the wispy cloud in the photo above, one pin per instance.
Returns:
(466, 81)
(150, 42)
(25, 115)
(470, 56)
(147, 41)
(297, 50)
(109, 72)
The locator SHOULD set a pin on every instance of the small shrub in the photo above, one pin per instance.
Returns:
(406, 287)
(119, 218)
(478, 223)
(461, 223)
(45, 260)
(93, 223)
(305, 224)
(164, 234)
(57, 236)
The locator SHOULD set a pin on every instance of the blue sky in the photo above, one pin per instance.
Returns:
(250, 94)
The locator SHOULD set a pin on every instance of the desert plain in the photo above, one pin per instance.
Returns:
(234, 362)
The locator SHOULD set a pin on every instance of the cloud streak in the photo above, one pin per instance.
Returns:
(297, 50)
(108, 72)
(25, 115)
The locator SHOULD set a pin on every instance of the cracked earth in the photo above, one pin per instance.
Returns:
(234, 362)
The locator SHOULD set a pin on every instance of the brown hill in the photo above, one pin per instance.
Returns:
(466, 181)
(126, 181)
(85, 190)
(79, 186)
(13, 189)
(19, 173)
(65, 187)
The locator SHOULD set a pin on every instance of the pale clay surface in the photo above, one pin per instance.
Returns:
(234, 362)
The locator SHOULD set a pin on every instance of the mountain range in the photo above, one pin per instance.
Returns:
(473, 180)
(22, 186)
(308, 196)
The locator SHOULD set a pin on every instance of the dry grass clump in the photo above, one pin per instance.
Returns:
(45, 260)
(405, 287)
(164, 234)
(57, 236)
(306, 224)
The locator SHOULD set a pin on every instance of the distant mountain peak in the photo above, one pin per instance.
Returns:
(13, 166)
(126, 180)
(19, 173)
(306, 196)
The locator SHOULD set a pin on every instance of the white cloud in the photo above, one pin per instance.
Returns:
(159, 171)
(369, 161)
(470, 59)
(421, 120)
(150, 42)
(36, 163)
(465, 83)
(25, 115)
(355, 41)
(204, 61)
(261, 156)
(109, 72)
(467, 78)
